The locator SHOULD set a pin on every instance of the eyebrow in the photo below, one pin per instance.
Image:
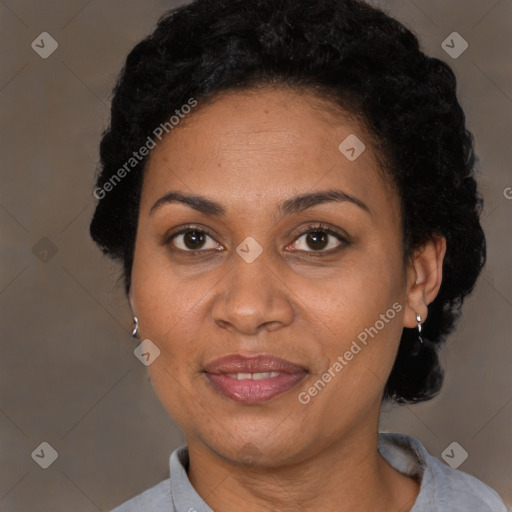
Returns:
(293, 205)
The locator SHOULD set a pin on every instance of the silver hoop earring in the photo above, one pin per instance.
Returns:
(418, 319)
(135, 331)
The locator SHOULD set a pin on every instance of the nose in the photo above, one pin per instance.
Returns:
(252, 297)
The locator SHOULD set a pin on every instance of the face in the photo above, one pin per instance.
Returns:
(250, 270)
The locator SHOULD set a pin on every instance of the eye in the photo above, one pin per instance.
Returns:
(192, 240)
(319, 239)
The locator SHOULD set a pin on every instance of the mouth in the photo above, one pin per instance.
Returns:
(253, 380)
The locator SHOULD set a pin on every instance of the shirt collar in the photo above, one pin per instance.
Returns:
(406, 454)
(184, 496)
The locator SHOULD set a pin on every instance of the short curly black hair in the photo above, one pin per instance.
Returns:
(360, 59)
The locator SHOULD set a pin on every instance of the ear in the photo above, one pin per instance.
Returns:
(131, 300)
(424, 276)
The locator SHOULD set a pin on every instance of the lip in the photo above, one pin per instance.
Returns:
(251, 391)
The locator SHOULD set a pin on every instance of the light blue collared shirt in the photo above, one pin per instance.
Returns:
(443, 489)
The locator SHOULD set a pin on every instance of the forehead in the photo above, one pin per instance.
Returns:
(253, 148)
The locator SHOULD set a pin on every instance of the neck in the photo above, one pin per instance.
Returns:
(346, 475)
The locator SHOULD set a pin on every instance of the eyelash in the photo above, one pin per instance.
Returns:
(319, 227)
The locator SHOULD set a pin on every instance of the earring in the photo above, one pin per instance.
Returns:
(418, 319)
(135, 331)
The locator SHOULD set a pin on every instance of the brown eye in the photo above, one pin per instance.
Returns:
(192, 240)
(319, 239)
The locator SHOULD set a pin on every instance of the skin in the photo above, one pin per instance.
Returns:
(249, 151)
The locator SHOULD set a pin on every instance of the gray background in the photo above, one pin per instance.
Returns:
(68, 375)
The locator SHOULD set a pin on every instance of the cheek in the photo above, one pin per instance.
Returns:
(166, 302)
(167, 316)
(360, 312)
(357, 293)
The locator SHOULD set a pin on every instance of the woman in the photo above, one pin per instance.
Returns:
(289, 186)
